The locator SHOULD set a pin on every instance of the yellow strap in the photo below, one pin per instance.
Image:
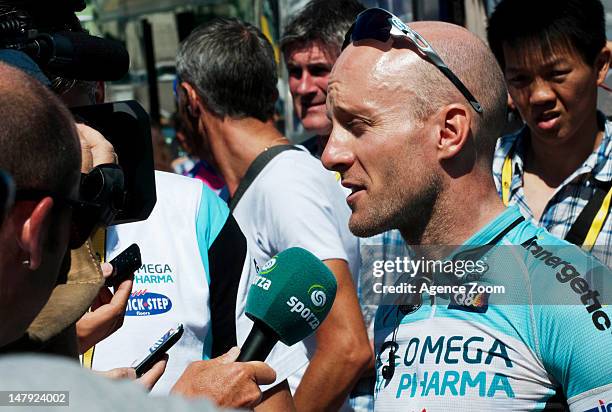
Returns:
(265, 29)
(506, 180)
(88, 358)
(98, 242)
(598, 222)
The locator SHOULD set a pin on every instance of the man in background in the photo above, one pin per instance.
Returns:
(227, 94)
(310, 46)
(558, 167)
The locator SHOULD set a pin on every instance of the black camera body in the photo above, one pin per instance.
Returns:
(127, 126)
(51, 34)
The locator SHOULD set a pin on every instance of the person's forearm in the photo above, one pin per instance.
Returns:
(277, 399)
(328, 381)
(343, 350)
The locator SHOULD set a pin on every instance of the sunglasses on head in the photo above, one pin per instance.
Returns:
(379, 24)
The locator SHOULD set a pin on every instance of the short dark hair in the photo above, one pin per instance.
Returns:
(231, 65)
(576, 23)
(324, 21)
(39, 146)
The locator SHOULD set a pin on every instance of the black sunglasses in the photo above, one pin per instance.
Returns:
(379, 24)
(79, 227)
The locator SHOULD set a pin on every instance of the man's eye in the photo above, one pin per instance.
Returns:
(357, 127)
(319, 71)
(295, 73)
(518, 80)
(558, 74)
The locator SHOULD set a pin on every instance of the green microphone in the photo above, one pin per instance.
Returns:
(288, 300)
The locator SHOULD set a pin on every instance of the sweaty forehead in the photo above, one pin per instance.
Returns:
(373, 70)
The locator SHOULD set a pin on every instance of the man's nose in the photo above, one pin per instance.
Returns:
(541, 93)
(338, 155)
(307, 84)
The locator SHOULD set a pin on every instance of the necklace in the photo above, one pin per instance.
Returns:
(278, 139)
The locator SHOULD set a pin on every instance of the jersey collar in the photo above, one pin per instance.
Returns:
(495, 227)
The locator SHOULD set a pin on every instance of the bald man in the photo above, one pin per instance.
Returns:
(39, 147)
(414, 142)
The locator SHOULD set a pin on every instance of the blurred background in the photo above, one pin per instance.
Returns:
(153, 29)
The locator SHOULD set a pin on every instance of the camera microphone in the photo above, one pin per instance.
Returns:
(80, 56)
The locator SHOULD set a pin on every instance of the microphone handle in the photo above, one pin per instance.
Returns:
(259, 343)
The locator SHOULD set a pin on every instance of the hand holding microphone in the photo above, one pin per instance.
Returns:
(289, 299)
(228, 383)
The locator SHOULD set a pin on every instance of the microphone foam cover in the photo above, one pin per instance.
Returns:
(84, 57)
(292, 294)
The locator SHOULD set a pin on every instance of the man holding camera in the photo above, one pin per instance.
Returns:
(235, 383)
(39, 131)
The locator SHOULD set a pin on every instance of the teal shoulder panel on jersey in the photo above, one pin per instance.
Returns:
(572, 313)
(212, 215)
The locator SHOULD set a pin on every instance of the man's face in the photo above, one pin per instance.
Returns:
(555, 93)
(54, 252)
(25, 294)
(382, 153)
(309, 67)
(195, 135)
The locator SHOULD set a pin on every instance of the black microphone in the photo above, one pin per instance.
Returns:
(259, 343)
(288, 301)
(77, 55)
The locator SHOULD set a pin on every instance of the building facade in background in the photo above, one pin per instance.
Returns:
(153, 29)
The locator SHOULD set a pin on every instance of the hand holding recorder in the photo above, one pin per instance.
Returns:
(108, 308)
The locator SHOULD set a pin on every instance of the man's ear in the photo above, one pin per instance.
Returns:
(193, 100)
(602, 64)
(454, 130)
(34, 231)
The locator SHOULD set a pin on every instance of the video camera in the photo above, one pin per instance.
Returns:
(50, 33)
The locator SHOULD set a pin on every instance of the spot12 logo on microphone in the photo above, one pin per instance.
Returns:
(304, 311)
(318, 297)
(268, 266)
